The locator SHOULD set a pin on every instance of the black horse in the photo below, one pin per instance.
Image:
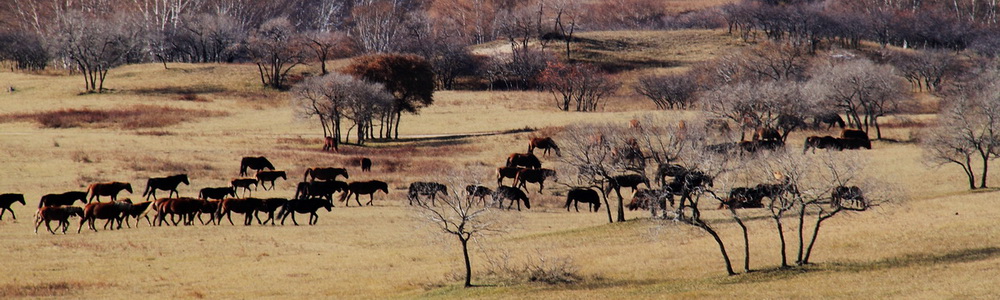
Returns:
(585, 195)
(478, 191)
(6, 200)
(828, 118)
(66, 198)
(843, 194)
(218, 193)
(319, 189)
(629, 180)
(254, 163)
(512, 194)
(168, 183)
(430, 189)
(364, 188)
(270, 176)
(303, 206)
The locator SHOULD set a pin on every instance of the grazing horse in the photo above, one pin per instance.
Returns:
(512, 194)
(184, 207)
(168, 183)
(5, 202)
(303, 206)
(629, 180)
(244, 183)
(136, 210)
(526, 160)
(324, 174)
(534, 176)
(66, 198)
(825, 142)
(478, 191)
(842, 194)
(322, 189)
(247, 207)
(56, 213)
(366, 165)
(545, 143)
(364, 188)
(507, 172)
(112, 211)
(585, 195)
(829, 118)
(112, 189)
(270, 205)
(430, 189)
(254, 163)
(330, 143)
(218, 193)
(269, 176)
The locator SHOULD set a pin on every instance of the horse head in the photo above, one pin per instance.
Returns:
(127, 186)
(184, 179)
(382, 186)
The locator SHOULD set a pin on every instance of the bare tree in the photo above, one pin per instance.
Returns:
(328, 45)
(758, 105)
(968, 129)
(668, 91)
(95, 45)
(378, 25)
(334, 97)
(276, 48)
(864, 90)
(582, 84)
(409, 78)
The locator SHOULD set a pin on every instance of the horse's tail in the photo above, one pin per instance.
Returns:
(306, 174)
(343, 196)
(41, 202)
(149, 186)
(91, 191)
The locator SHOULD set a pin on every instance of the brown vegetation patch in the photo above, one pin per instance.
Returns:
(49, 289)
(138, 116)
(183, 90)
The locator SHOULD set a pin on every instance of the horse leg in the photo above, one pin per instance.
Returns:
(5, 210)
(48, 226)
(38, 222)
(313, 218)
(371, 198)
(293, 218)
(82, 220)
(356, 195)
(541, 185)
(229, 215)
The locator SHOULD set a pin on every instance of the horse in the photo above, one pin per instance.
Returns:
(430, 189)
(112, 189)
(766, 134)
(258, 163)
(218, 193)
(526, 160)
(366, 165)
(269, 176)
(66, 198)
(56, 213)
(829, 118)
(364, 188)
(775, 190)
(322, 189)
(185, 207)
(269, 205)
(330, 143)
(244, 183)
(742, 197)
(210, 207)
(842, 193)
(478, 191)
(112, 211)
(534, 176)
(854, 134)
(545, 143)
(324, 174)
(168, 183)
(629, 180)
(512, 194)
(651, 199)
(507, 172)
(136, 210)
(585, 195)
(825, 142)
(758, 145)
(303, 206)
(665, 170)
(247, 207)
(854, 143)
(6, 200)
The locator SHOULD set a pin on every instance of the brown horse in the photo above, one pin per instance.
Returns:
(56, 213)
(545, 143)
(364, 188)
(268, 206)
(244, 183)
(269, 176)
(210, 207)
(507, 172)
(247, 207)
(112, 211)
(258, 163)
(5, 202)
(136, 211)
(512, 194)
(186, 208)
(303, 206)
(112, 189)
(324, 174)
(66, 198)
(366, 165)
(534, 176)
(216, 193)
(330, 143)
(526, 160)
(585, 195)
(854, 134)
(168, 183)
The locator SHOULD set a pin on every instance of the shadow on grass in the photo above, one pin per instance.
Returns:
(181, 90)
(447, 139)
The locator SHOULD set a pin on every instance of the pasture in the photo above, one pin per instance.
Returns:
(937, 240)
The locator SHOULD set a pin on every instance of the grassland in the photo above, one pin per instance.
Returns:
(936, 240)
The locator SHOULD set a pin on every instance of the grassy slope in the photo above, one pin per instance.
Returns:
(940, 242)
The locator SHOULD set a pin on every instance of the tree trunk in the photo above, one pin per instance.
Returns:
(802, 217)
(986, 168)
(718, 240)
(607, 207)
(621, 205)
(781, 236)
(746, 240)
(468, 263)
(812, 241)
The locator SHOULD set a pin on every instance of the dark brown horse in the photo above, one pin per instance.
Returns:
(854, 134)
(270, 176)
(186, 208)
(545, 143)
(111, 211)
(828, 118)
(56, 213)
(218, 193)
(319, 189)
(112, 189)
(168, 183)
(210, 207)
(270, 205)
(629, 180)
(512, 194)
(254, 163)
(330, 143)
(824, 142)
(366, 165)
(506, 172)
(843, 194)
(303, 206)
(534, 176)
(478, 191)
(324, 174)
(585, 195)
(430, 189)
(652, 200)
(364, 188)
(526, 160)
(6, 200)
(244, 183)
(67, 198)
(247, 207)
(136, 211)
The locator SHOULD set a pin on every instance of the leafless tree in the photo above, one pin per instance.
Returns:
(758, 105)
(864, 90)
(373, 102)
(276, 48)
(378, 25)
(582, 84)
(668, 91)
(95, 45)
(328, 45)
(925, 69)
(334, 97)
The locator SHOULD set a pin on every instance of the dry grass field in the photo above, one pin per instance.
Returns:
(935, 240)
